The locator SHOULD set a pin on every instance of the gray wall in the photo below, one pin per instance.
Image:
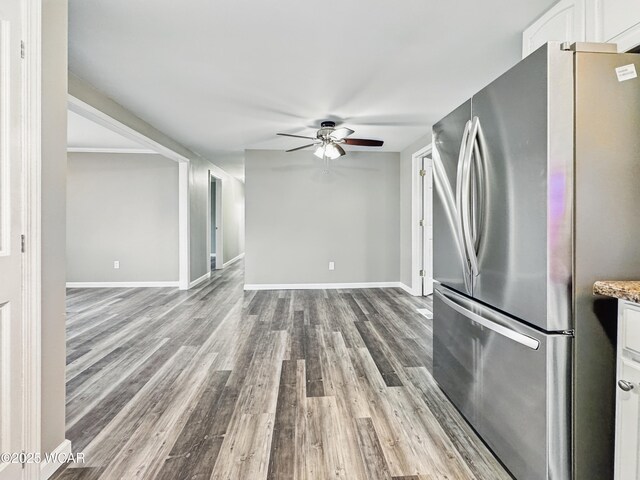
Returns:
(405, 206)
(233, 218)
(233, 189)
(299, 219)
(122, 207)
(54, 170)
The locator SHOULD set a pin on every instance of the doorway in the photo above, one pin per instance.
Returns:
(422, 216)
(426, 230)
(214, 220)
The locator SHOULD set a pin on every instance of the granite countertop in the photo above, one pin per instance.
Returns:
(624, 290)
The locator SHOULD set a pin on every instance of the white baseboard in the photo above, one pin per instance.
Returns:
(49, 468)
(233, 260)
(410, 290)
(120, 284)
(198, 281)
(320, 286)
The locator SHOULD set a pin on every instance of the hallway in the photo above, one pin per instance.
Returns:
(220, 383)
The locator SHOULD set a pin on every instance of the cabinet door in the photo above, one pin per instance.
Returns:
(627, 421)
(618, 21)
(564, 22)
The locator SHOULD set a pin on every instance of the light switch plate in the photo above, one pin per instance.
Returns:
(332, 266)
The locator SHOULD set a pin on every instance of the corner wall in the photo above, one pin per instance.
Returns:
(54, 172)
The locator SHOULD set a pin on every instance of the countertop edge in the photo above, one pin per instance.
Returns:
(628, 290)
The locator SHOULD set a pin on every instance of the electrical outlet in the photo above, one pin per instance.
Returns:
(116, 264)
(332, 266)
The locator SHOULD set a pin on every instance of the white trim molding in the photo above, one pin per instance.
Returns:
(233, 260)
(321, 286)
(110, 150)
(198, 281)
(47, 469)
(415, 288)
(121, 284)
(32, 277)
(408, 289)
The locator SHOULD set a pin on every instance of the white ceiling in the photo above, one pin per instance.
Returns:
(84, 133)
(225, 75)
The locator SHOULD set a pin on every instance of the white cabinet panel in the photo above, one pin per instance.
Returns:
(564, 22)
(627, 421)
(617, 21)
(630, 329)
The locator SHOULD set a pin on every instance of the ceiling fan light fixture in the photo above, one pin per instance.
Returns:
(333, 151)
(328, 140)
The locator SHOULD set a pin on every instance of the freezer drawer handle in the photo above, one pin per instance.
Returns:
(522, 339)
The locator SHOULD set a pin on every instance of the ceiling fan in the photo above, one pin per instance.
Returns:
(329, 138)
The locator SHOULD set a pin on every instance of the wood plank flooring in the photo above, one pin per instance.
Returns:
(218, 383)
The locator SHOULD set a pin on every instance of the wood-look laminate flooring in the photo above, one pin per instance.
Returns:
(218, 383)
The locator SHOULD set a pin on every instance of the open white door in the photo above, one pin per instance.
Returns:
(11, 275)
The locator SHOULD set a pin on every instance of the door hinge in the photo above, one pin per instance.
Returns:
(23, 242)
(21, 49)
(23, 459)
(421, 223)
(422, 273)
(423, 172)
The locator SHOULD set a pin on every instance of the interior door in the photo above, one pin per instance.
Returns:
(11, 322)
(427, 225)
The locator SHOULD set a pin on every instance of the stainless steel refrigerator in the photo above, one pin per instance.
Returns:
(537, 181)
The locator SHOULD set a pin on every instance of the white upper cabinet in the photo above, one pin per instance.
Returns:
(614, 21)
(564, 22)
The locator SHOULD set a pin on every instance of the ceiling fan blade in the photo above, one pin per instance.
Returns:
(341, 133)
(295, 136)
(300, 148)
(363, 142)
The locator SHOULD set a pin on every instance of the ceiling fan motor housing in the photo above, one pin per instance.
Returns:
(326, 128)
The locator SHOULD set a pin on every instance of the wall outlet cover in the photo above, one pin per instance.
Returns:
(116, 264)
(332, 266)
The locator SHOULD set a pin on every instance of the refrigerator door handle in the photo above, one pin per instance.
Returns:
(518, 337)
(465, 202)
(452, 205)
(480, 157)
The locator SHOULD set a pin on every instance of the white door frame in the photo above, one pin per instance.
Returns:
(416, 216)
(219, 222)
(84, 109)
(32, 178)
